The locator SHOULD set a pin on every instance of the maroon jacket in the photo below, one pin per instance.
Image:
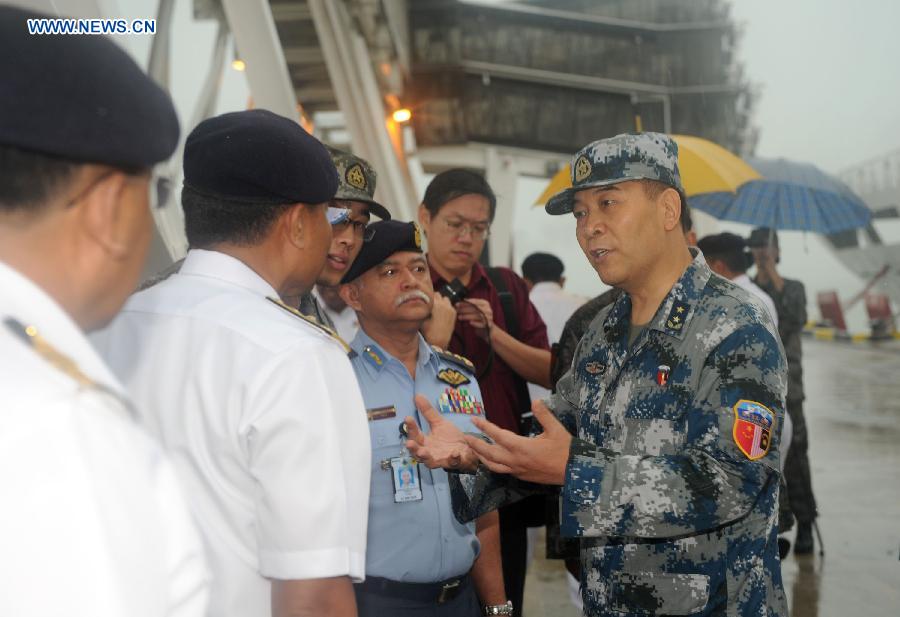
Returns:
(498, 387)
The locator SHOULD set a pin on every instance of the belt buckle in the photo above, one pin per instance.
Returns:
(448, 591)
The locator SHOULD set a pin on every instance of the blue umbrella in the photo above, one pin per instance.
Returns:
(789, 196)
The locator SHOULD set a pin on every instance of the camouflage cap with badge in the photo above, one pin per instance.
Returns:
(626, 157)
(357, 181)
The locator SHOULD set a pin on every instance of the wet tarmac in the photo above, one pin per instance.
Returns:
(853, 416)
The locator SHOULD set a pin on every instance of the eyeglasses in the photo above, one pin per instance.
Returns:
(458, 228)
(162, 190)
(160, 187)
(338, 215)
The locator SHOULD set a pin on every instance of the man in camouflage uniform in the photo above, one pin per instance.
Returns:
(664, 433)
(356, 199)
(790, 302)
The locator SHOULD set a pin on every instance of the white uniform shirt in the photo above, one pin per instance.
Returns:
(744, 281)
(264, 419)
(555, 306)
(93, 521)
(346, 323)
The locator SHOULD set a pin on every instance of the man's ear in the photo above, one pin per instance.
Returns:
(350, 295)
(106, 217)
(424, 218)
(294, 223)
(670, 202)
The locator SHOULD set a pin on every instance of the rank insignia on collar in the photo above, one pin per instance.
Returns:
(595, 368)
(453, 377)
(662, 374)
(678, 314)
(753, 427)
(373, 356)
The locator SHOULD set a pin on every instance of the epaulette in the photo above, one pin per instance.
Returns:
(314, 323)
(29, 335)
(66, 365)
(454, 358)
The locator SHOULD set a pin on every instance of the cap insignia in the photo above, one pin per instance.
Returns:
(583, 168)
(356, 177)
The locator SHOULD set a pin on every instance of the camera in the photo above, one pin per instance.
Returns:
(454, 291)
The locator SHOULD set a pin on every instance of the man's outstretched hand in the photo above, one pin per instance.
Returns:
(444, 446)
(540, 459)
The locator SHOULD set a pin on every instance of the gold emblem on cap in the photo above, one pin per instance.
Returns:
(583, 168)
(356, 177)
(418, 236)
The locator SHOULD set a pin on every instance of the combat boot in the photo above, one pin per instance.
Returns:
(803, 544)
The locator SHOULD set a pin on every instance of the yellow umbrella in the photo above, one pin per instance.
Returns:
(705, 167)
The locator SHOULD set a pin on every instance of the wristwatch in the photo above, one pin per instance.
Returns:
(499, 609)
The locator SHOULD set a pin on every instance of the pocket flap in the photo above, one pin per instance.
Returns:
(658, 593)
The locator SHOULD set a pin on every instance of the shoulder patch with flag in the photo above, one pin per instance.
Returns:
(753, 426)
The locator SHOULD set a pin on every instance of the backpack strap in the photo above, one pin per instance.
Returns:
(506, 301)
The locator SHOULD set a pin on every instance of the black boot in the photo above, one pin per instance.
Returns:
(803, 544)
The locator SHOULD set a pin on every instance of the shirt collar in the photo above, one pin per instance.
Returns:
(376, 358)
(30, 305)
(675, 311)
(546, 287)
(216, 265)
(742, 279)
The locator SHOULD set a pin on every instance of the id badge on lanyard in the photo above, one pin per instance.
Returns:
(405, 473)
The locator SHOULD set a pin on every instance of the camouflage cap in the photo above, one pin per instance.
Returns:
(357, 181)
(642, 156)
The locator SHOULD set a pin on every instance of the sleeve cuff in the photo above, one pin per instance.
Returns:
(301, 565)
(582, 485)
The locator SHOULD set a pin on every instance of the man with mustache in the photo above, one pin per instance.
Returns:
(420, 560)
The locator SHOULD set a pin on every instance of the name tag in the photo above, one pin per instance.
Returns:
(381, 413)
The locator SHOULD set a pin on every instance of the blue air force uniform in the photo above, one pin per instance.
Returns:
(416, 541)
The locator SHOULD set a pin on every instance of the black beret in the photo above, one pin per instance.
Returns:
(720, 244)
(80, 98)
(383, 239)
(258, 157)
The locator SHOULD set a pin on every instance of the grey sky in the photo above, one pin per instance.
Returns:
(830, 84)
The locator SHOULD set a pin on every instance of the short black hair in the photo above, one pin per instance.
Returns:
(29, 179)
(542, 267)
(654, 188)
(736, 261)
(210, 220)
(453, 183)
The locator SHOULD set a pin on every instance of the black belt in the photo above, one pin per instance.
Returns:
(440, 592)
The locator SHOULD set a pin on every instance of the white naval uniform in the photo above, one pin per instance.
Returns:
(262, 415)
(92, 520)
